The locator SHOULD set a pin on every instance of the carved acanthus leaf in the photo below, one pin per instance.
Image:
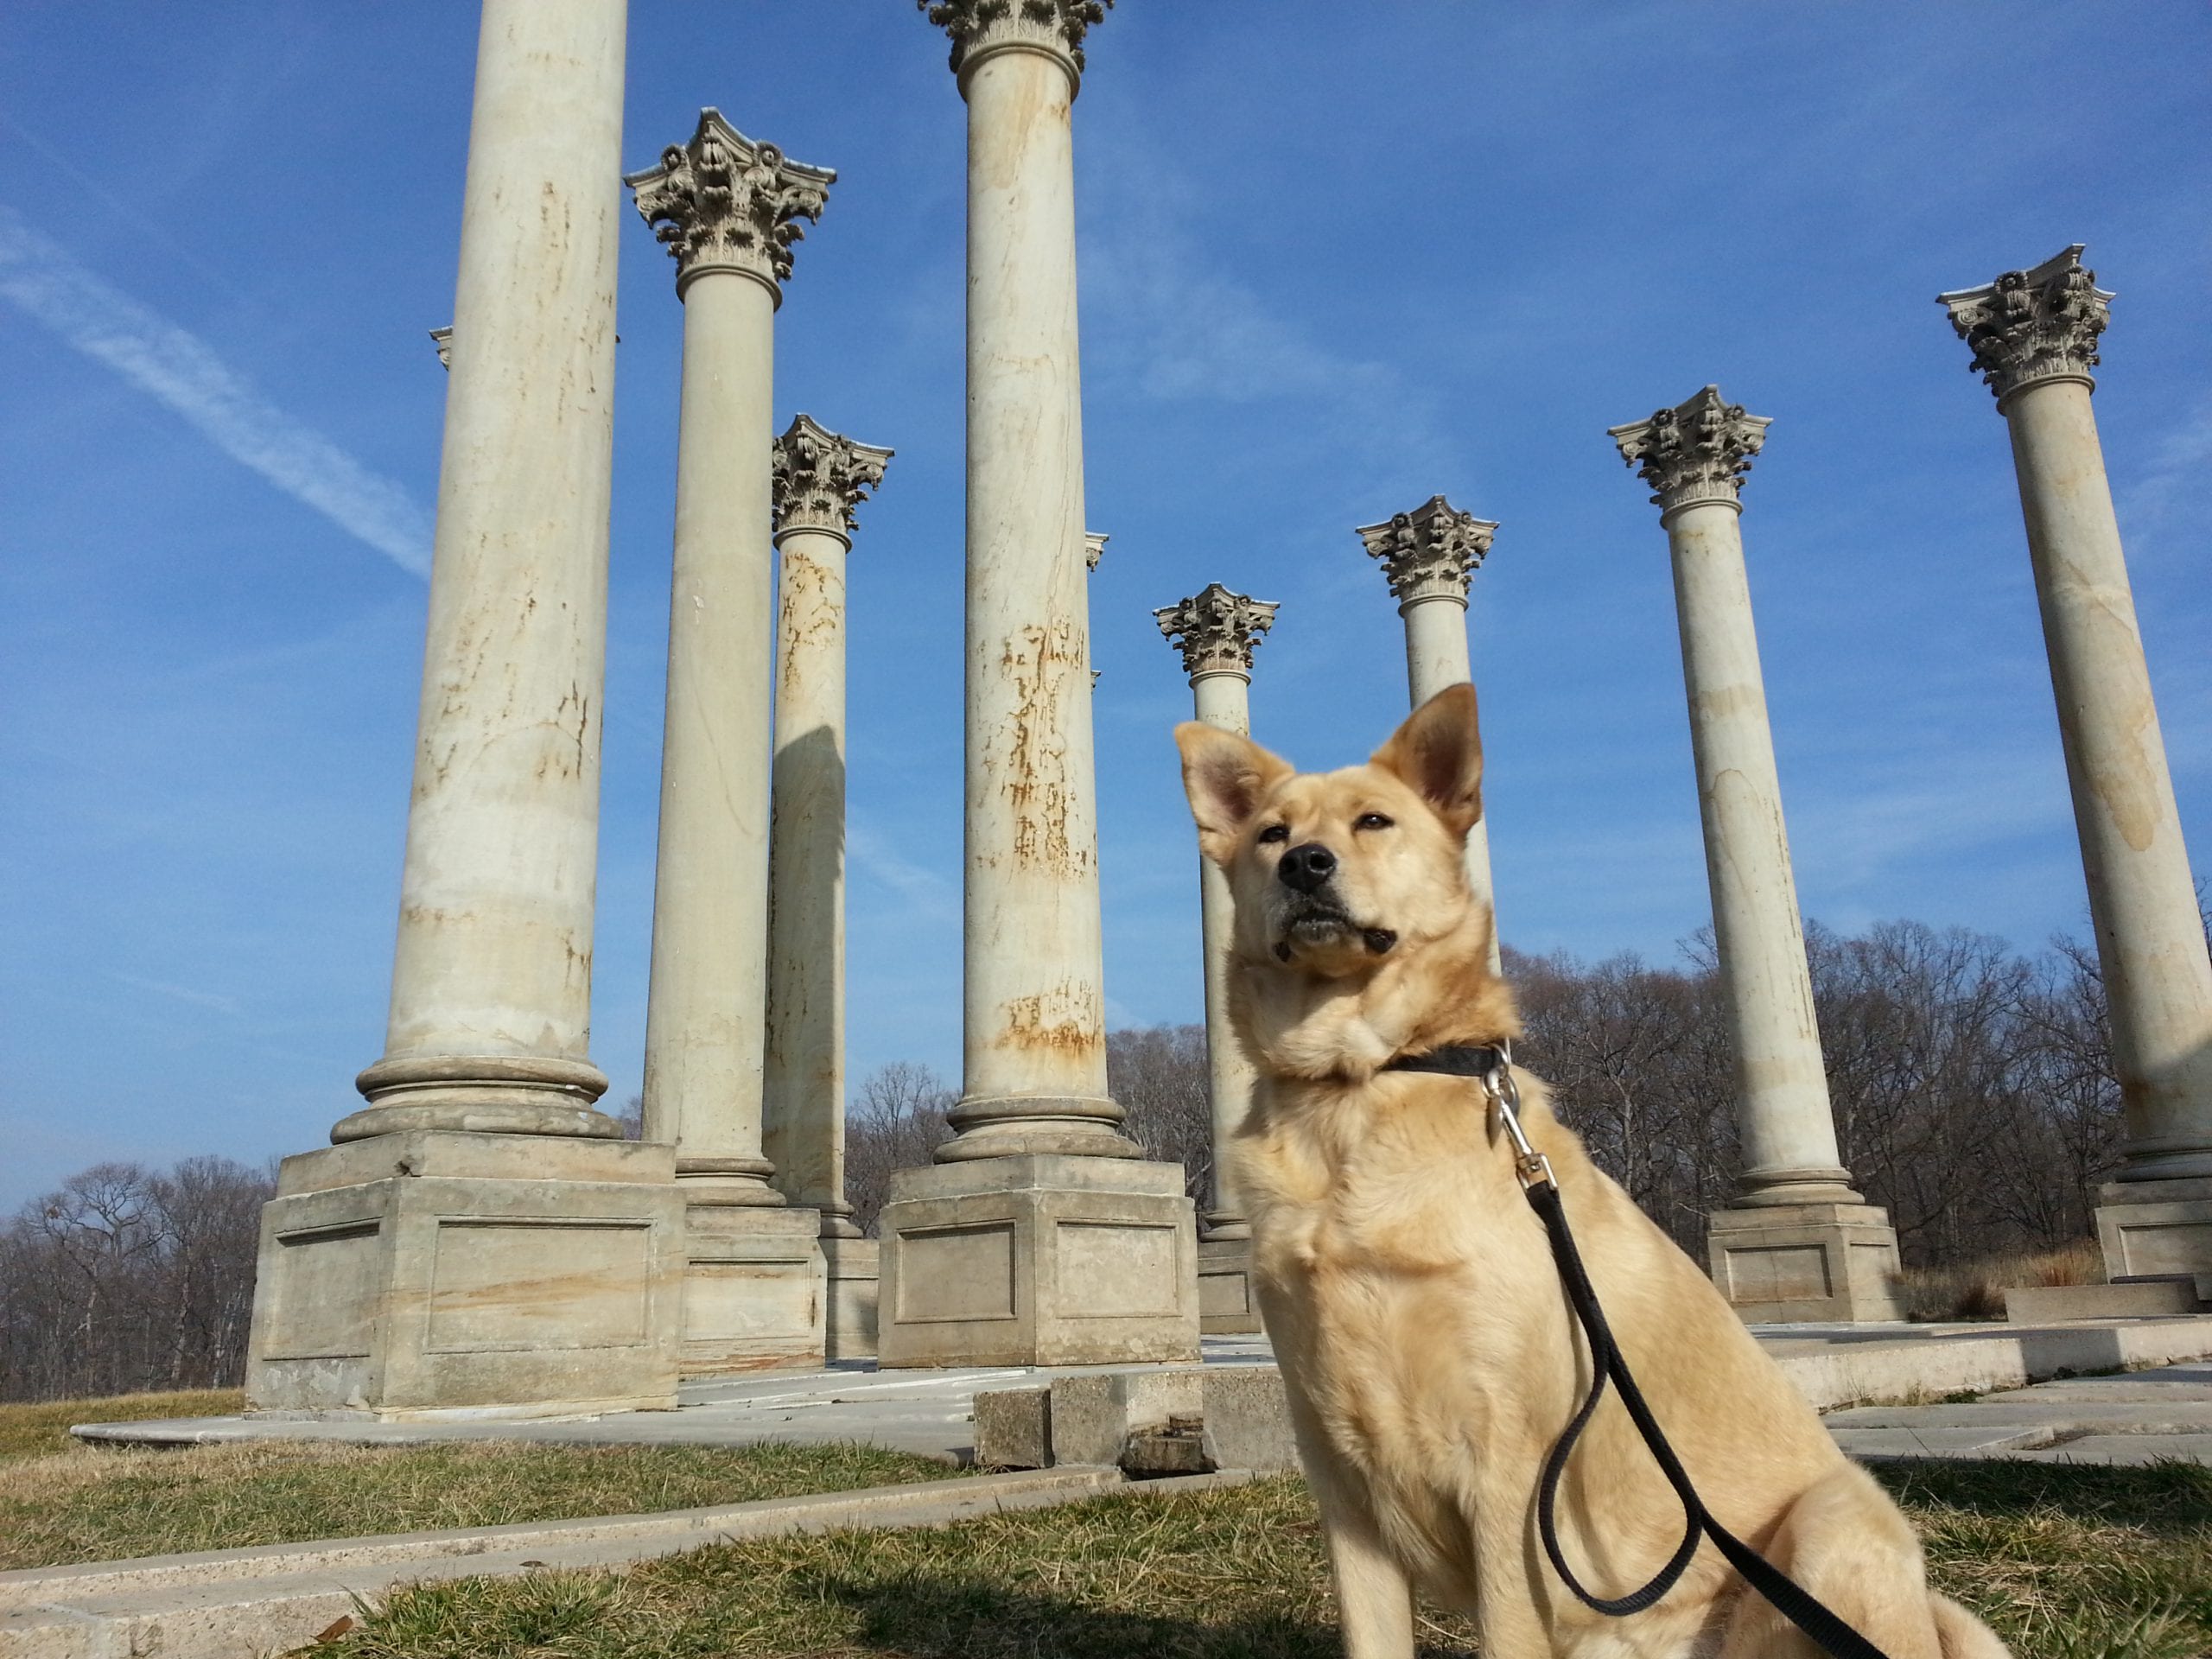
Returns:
(722, 201)
(1431, 552)
(820, 477)
(1697, 451)
(1058, 25)
(1216, 630)
(2032, 325)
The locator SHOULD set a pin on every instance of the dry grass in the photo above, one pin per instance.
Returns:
(34, 1430)
(1976, 1290)
(88, 1504)
(2066, 1562)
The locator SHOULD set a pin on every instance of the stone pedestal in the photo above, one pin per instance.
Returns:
(2154, 1228)
(424, 1274)
(2034, 336)
(756, 1291)
(1228, 1307)
(856, 1268)
(1796, 1236)
(1831, 1263)
(1039, 1261)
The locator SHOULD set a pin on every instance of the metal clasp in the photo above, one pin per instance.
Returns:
(1530, 1166)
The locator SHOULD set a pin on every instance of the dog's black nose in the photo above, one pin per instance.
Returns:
(1306, 868)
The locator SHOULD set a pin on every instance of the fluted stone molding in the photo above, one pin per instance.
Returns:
(723, 202)
(491, 996)
(1035, 1037)
(2034, 336)
(1693, 457)
(1429, 556)
(442, 339)
(724, 206)
(1216, 632)
(820, 478)
(983, 29)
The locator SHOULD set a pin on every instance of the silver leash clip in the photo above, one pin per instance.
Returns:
(1532, 1167)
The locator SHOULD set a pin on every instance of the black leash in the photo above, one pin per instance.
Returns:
(1492, 1067)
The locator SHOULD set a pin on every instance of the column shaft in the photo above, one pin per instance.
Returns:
(2142, 898)
(1789, 1132)
(1035, 1042)
(1222, 699)
(490, 998)
(805, 1136)
(1436, 655)
(704, 1016)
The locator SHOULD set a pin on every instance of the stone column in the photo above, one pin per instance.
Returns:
(1217, 631)
(1429, 556)
(820, 478)
(727, 210)
(2034, 337)
(1797, 1243)
(1039, 1238)
(411, 1266)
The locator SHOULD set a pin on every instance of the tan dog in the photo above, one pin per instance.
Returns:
(1429, 1352)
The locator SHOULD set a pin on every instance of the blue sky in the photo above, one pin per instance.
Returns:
(1335, 259)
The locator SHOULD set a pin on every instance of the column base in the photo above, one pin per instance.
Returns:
(1039, 1261)
(1016, 1126)
(1227, 1306)
(756, 1290)
(430, 1274)
(855, 1264)
(2156, 1228)
(1833, 1262)
(479, 1094)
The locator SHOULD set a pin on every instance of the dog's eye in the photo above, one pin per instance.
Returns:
(1275, 832)
(1372, 821)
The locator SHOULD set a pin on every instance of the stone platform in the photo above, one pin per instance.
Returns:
(1035, 1415)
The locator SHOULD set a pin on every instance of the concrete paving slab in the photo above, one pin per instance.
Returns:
(2126, 1449)
(1883, 1444)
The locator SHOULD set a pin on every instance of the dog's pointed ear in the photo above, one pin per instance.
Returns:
(1226, 777)
(1438, 752)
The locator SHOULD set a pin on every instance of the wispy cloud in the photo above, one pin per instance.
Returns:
(180, 371)
(2177, 470)
(184, 994)
(929, 893)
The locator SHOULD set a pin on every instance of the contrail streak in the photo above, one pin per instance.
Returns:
(180, 369)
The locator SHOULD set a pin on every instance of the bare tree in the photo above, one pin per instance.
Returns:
(1159, 1074)
(895, 1122)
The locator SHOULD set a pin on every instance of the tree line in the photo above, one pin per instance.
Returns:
(1972, 1087)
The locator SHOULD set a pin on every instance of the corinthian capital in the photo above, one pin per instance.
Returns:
(820, 478)
(979, 28)
(2030, 326)
(1216, 630)
(723, 202)
(1431, 552)
(1093, 548)
(1696, 451)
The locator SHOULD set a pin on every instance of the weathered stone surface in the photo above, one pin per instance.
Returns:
(1013, 1428)
(2149, 1298)
(756, 1289)
(1227, 1306)
(1789, 1263)
(856, 1271)
(1039, 1261)
(413, 1275)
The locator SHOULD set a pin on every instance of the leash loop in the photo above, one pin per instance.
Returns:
(1492, 1067)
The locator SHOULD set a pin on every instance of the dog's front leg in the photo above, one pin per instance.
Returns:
(1374, 1599)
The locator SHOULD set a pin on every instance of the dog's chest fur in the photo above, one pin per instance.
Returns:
(1389, 1239)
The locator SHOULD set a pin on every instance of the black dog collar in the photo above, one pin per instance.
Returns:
(1455, 1062)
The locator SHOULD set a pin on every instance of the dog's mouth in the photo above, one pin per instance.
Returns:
(1319, 923)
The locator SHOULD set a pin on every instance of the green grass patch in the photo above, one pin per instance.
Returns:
(2066, 1562)
(40, 1429)
(88, 1504)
